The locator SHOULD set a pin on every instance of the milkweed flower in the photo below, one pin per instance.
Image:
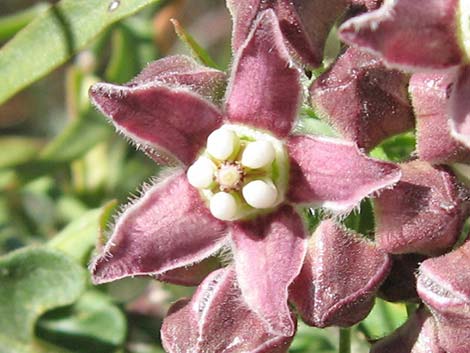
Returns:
(424, 37)
(241, 172)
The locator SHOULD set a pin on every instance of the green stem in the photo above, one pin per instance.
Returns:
(345, 340)
(410, 309)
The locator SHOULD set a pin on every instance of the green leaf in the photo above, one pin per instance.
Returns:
(11, 24)
(80, 236)
(9, 345)
(311, 339)
(16, 150)
(33, 281)
(55, 36)
(398, 148)
(197, 51)
(384, 318)
(92, 324)
(77, 138)
(308, 123)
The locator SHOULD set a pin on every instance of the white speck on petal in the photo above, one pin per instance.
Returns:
(223, 206)
(258, 154)
(260, 194)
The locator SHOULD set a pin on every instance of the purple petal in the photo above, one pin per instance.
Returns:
(191, 275)
(362, 99)
(435, 144)
(334, 173)
(243, 14)
(264, 91)
(444, 285)
(168, 228)
(217, 320)
(417, 335)
(408, 34)
(422, 214)
(341, 274)
(179, 70)
(459, 106)
(172, 121)
(269, 252)
(400, 284)
(305, 24)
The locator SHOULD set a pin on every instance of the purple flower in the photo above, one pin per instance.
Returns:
(362, 99)
(241, 172)
(305, 24)
(217, 319)
(419, 37)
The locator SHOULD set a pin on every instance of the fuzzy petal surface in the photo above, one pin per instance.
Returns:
(409, 34)
(435, 143)
(444, 285)
(305, 24)
(264, 90)
(334, 173)
(269, 252)
(217, 320)
(191, 275)
(182, 71)
(362, 99)
(168, 228)
(422, 214)
(174, 122)
(459, 106)
(417, 335)
(340, 277)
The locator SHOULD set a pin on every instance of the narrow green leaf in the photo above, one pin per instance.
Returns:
(33, 281)
(77, 138)
(11, 24)
(55, 36)
(92, 324)
(16, 150)
(197, 51)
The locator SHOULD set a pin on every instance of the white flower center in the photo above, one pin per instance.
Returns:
(241, 173)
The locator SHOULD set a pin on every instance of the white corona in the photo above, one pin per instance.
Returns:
(222, 143)
(223, 206)
(258, 154)
(201, 173)
(260, 194)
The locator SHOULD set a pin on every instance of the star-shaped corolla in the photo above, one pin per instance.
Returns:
(423, 37)
(305, 24)
(186, 217)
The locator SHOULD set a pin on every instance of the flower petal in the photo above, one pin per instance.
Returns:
(191, 275)
(180, 70)
(264, 90)
(305, 24)
(170, 227)
(362, 99)
(334, 174)
(444, 285)
(435, 144)
(409, 35)
(422, 214)
(400, 284)
(417, 335)
(269, 252)
(172, 121)
(217, 320)
(459, 106)
(340, 276)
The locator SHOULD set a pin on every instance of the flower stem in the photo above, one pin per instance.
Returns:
(345, 340)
